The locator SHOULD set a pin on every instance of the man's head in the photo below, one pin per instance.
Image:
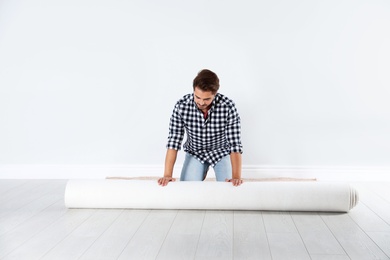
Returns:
(206, 85)
(206, 80)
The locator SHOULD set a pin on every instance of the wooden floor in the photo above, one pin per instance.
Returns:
(34, 224)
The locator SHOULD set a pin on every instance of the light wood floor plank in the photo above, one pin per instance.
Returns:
(368, 220)
(316, 235)
(329, 257)
(250, 238)
(376, 203)
(8, 185)
(355, 242)
(216, 238)
(147, 241)
(182, 239)
(287, 245)
(77, 242)
(15, 188)
(22, 195)
(283, 237)
(40, 200)
(28, 229)
(382, 239)
(276, 222)
(113, 241)
(382, 189)
(49, 237)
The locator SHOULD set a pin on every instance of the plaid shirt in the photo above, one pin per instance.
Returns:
(210, 139)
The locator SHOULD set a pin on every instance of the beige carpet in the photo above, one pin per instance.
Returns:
(213, 179)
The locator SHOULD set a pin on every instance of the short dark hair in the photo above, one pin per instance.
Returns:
(206, 80)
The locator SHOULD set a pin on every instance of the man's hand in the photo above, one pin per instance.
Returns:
(164, 180)
(235, 182)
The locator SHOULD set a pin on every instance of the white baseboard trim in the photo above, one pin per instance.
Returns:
(324, 173)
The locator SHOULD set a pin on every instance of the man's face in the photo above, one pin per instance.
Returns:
(203, 99)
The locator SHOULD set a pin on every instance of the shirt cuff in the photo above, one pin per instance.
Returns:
(236, 149)
(174, 147)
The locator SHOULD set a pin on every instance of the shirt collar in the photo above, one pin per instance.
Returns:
(213, 103)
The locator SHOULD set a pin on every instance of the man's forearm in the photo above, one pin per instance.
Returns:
(236, 161)
(170, 160)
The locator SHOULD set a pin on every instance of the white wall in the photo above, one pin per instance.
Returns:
(94, 82)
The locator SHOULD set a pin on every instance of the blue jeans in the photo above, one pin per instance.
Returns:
(194, 170)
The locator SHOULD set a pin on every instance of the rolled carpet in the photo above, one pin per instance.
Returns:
(275, 196)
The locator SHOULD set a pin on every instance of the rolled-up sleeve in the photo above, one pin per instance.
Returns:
(176, 130)
(233, 131)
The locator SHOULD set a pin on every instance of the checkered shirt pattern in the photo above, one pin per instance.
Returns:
(210, 139)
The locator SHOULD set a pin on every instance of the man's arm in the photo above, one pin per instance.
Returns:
(235, 158)
(170, 159)
(233, 134)
(175, 138)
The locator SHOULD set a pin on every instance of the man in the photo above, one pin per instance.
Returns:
(213, 131)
